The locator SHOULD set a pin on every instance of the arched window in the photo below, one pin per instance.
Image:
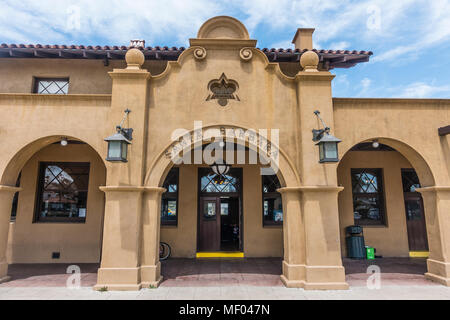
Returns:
(272, 206)
(169, 202)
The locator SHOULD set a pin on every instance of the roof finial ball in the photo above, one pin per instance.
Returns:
(309, 61)
(134, 58)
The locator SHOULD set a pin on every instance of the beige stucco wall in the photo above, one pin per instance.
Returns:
(390, 240)
(259, 241)
(77, 242)
(85, 76)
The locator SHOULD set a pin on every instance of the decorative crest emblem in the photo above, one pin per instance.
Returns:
(222, 89)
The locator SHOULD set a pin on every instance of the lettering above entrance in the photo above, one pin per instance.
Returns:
(222, 90)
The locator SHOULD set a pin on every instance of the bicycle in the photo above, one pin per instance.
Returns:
(164, 251)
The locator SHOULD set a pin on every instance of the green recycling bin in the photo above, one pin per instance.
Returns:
(370, 253)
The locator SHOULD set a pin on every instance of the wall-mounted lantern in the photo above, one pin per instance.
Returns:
(118, 142)
(328, 144)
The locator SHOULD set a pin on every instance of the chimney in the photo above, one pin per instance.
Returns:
(303, 39)
(137, 43)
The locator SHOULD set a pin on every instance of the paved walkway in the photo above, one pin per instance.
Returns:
(401, 278)
(229, 293)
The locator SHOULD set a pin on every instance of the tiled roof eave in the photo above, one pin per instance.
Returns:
(330, 58)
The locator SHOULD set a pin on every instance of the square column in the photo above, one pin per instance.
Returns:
(437, 215)
(6, 198)
(120, 265)
(151, 216)
(324, 270)
(293, 239)
(319, 190)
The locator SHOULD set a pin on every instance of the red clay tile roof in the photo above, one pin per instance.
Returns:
(330, 58)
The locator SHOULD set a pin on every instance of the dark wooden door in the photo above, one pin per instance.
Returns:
(415, 223)
(209, 224)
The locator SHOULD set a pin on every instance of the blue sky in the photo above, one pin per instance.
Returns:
(410, 38)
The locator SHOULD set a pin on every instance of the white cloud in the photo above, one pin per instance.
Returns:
(424, 90)
(405, 28)
(342, 45)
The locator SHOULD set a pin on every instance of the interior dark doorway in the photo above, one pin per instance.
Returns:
(220, 211)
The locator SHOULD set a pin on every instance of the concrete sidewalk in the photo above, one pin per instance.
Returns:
(228, 293)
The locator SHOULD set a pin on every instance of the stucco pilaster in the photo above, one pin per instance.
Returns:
(6, 197)
(150, 265)
(120, 265)
(318, 195)
(437, 214)
(293, 239)
(324, 268)
(119, 269)
(129, 91)
(314, 93)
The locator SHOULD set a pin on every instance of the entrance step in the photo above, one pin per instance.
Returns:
(419, 254)
(221, 254)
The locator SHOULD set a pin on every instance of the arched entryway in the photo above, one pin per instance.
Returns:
(382, 180)
(57, 205)
(244, 203)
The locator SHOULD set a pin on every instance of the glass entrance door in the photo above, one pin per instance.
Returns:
(220, 213)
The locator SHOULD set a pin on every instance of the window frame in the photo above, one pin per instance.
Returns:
(39, 190)
(38, 79)
(270, 195)
(171, 195)
(380, 195)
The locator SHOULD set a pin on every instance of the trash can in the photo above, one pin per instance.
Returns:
(356, 248)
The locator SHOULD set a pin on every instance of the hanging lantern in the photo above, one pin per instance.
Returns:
(328, 148)
(118, 142)
(220, 168)
(117, 146)
(328, 144)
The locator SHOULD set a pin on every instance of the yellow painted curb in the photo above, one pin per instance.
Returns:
(419, 254)
(220, 254)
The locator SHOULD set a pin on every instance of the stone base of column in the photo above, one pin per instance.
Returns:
(4, 272)
(151, 276)
(438, 272)
(325, 278)
(118, 279)
(293, 275)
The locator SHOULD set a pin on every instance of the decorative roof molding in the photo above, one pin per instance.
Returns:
(223, 27)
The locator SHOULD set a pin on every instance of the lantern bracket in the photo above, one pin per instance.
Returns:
(126, 132)
(318, 133)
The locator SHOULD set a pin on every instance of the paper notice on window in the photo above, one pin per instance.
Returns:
(82, 212)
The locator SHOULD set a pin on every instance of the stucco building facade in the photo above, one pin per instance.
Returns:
(70, 204)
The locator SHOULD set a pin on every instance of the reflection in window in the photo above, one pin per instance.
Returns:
(62, 193)
(368, 197)
(410, 180)
(52, 86)
(169, 202)
(272, 205)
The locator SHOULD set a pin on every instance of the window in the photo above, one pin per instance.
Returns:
(228, 183)
(272, 206)
(51, 86)
(368, 198)
(62, 192)
(15, 199)
(169, 202)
